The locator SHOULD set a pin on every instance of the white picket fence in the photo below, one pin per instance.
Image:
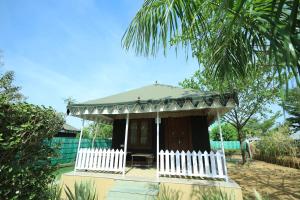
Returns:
(100, 160)
(192, 164)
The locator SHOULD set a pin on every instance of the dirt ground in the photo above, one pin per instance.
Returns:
(270, 180)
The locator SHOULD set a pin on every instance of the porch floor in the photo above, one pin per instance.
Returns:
(149, 175)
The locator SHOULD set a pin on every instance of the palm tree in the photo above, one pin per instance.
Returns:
(227, 37)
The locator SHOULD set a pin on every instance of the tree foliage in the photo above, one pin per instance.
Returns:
(7, 89)
(260, 126)
(292, 106)
(97, 130)
(255, 92)
(25, 169)
(229, 133)
(227, 37)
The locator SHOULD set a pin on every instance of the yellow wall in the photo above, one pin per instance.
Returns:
(193, 192)
(102, 185)
(171, 190)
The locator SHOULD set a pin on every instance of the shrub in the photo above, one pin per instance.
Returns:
(228, 131)
(277, 147)
(25, 169)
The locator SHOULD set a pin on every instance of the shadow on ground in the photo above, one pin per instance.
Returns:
(272, 181)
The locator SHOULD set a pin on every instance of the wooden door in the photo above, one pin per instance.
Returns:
(178, 134)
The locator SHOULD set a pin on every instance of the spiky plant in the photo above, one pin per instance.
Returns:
(82, 191)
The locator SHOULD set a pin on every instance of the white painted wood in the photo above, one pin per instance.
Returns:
(200, 161)
(103, 159)
(90, 165)
(167, 162)
(117, 153)
(177, 157)
(125, 143)
(219, 164)
(172, 160)
(213, 164)
(121, 158)
(222, 144)
(157, 145)
(206, 163)
(79, 160)
(195, 164)
(171, 163)
(183, 163)
(189, 163)
(107, 160)
(111, 162)
(94, 164)
(192, 164)
(83, 159)
(99, 159)
(162, 155)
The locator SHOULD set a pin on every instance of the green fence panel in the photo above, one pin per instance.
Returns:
(67, 148)
(230, 145)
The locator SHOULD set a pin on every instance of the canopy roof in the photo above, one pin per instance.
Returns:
(151, 99)
(69, 128)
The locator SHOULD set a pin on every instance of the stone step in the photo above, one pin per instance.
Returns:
(134, 190)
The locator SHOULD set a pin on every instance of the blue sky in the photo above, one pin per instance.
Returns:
(72, 48)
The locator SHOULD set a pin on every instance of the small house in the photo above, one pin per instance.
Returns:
(161, 128)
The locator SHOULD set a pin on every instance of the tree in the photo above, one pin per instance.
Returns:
(7, 90)
(228, 131)
(292, 106)
(260, 126)
(97, 130)
(25, 167)
(254, 93)
(228, 38)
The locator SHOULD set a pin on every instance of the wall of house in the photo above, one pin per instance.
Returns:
(198, 132)
(119, 136)
(118, 133)
(200, 135)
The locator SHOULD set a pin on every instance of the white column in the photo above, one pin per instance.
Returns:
(125, 143)
(157, 146)
(222, 145)
(80, 137)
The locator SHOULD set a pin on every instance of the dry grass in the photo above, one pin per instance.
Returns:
(272, 181)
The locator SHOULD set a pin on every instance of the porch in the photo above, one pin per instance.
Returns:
(170, 164)
(108, 184)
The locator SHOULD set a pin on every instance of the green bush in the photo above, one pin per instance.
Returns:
(25, 169)
(228, 131)
(277, 147)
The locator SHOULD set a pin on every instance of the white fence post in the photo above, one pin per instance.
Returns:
(162, 162)
(192, 164)
(171, 163)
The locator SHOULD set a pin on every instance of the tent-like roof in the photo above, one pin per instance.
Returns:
(69, 128)
(151, 99)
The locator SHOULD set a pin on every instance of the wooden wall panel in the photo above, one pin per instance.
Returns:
(200, 133)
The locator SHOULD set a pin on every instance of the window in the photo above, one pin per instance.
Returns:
(140, 135)
(133, 132)
(144, 132)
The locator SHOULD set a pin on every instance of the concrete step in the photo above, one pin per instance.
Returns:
(133, 190)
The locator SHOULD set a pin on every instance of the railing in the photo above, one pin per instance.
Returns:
(100, 160)
(192, 164)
